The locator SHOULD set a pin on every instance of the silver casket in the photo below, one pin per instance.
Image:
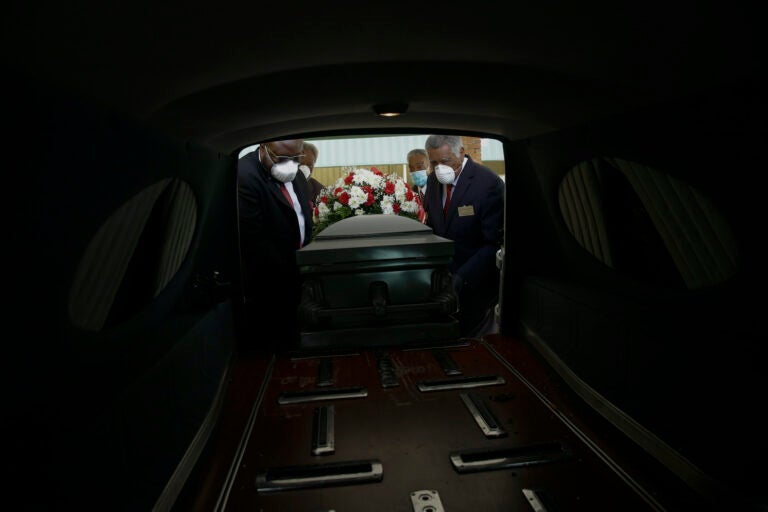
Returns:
(376, 280)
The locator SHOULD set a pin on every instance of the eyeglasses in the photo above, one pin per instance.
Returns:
(282, 158)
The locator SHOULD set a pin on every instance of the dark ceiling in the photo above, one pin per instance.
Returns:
(226, 76)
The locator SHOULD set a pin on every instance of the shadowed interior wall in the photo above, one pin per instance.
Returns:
(104, 405)
(673, 358)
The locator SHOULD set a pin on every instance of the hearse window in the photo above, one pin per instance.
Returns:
(124, 267)
(647, 224)
(336, 155)
(366, 183)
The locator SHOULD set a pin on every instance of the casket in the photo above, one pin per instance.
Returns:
(376, 280)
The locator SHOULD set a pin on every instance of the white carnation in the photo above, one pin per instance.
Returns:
(400, 190)
(322, 211)
(386, 205)
(362, 177)
(409, 207)
(357, 198)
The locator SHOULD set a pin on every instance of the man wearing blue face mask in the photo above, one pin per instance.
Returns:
(465, 203)
(418, 166)
(275, 220)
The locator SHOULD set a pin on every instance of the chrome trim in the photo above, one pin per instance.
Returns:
(489, 459)
(631, 482)
(316, 395)
(533, 499)
(460, 383)
(184, 468)
(323, 436)
(446, 362)
(462, 342)
(483, 415)
(221, 503)
(318, 475)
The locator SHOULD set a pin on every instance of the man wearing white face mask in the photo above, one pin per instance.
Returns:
(465, 203)
(275, 220)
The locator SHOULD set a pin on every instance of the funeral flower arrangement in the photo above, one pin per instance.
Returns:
(364, 191)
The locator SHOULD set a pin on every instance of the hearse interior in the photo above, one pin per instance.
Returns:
(628, 370)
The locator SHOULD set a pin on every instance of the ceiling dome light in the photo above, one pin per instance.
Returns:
(393, 109)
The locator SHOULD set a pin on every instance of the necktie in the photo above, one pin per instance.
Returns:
(290, 202)
(286, 194)
(447, 199)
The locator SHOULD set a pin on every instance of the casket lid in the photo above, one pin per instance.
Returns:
(372, 225)
(374, 237)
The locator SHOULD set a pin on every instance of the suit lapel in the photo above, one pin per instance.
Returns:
(272, 185)
(434, 200)
(275, 189)
(465, 181)
(301, 190)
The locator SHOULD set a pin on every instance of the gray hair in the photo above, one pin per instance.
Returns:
(311, 147)
(438, 141)
(417, 151)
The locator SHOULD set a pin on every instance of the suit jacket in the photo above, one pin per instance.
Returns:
(475, 223)
(416, 190)
(269, 238)
(314, 189)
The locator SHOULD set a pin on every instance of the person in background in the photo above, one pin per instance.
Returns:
(306, 167)
(418, 166)
(275, 220)
(465, 203)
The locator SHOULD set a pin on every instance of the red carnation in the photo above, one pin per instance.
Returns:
(344, 198)
(396, 207)
(338, 191)
(376, 171)
(367, 189)
(349, 178)
(389, 188)
(324, 199)
(370, 200)
(409, 195)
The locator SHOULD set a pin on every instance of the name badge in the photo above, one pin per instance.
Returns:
(465, 211)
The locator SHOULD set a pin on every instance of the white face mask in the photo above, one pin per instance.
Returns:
(304, 170)
(285, 171)
(445, 174)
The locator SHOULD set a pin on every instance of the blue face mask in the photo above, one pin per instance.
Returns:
(419, 178)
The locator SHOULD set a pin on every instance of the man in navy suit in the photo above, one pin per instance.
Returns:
(275, 221)
(465, 203)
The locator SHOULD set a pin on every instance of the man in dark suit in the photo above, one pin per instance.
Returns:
(275, 221)
(465, 203)
(308, 167)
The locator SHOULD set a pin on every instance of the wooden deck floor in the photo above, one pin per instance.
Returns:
(413, 433)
